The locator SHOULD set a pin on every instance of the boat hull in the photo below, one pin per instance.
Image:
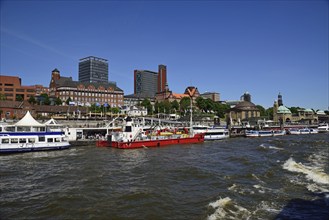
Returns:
(198, 138)
(32, 149)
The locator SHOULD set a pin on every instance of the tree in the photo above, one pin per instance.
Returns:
(115, 110)
(147, 104)
(294, 110)
(261, 110)
(166, 106)
(184, 104)
(58, 101)
(209, 105)
(45, 99)
(220, 109)
(200, 103)
(174, 105)
(19, 98)
(3, 97)
(32, 100)
(68, 100)
(269, 113)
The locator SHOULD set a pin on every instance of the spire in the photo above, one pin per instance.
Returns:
(280, 102)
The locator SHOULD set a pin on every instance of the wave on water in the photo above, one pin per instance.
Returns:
(314, 174)
(226, 209)
(265, 146)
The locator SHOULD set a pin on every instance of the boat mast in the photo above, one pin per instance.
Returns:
(191, 119)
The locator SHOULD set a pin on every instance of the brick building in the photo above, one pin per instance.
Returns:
(11, 87)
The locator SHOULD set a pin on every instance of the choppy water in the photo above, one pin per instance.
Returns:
(264, 178)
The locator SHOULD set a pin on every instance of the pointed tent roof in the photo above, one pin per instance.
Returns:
(28, 120)
(51, 122)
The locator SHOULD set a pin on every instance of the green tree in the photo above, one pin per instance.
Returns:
(269, 113)
(32, 100)
(19, 98)
(201, 103)
(147, 104)
(166, 106)
(209, 105)
(261, 110)
(68, 100)
(221, 109)
(294, 110)
(174, 105)
(184, 104)
(58, 101)
(3, 97)
(115, 110)
(45, 99)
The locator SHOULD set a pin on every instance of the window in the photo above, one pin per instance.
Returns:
(57, 139)
(31, 140)
(5, 141)
(14, 140)
(22, 140)
(49, 140)
(42, 139)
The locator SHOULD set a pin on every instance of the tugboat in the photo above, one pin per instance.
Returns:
(132, 136)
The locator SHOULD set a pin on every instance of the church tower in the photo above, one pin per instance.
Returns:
(280, 102)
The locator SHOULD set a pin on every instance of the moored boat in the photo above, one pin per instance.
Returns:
(133, 136)
(30, 135)
(212, 133)
(323, 128)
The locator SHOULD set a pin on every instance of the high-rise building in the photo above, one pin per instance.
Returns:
(93, 70)
(148, 83)
(162, 78)
(145, 83)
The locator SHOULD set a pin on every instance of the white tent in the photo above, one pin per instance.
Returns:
(51, 122)
(29, 121)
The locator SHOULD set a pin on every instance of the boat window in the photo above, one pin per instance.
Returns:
(14, 140)
(42, 139)
(57, 139)
(5, 141)
(128, 129)
(31, 140)
(22, 140)
(49, 140)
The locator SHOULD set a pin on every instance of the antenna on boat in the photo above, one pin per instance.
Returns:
(191, 119)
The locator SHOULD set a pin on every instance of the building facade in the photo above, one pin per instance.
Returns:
(282, 114)
(211, 95)
(162, 78)
(11, 87)
(145, 83)
(85, 93)
(93, 70)
(148, 83)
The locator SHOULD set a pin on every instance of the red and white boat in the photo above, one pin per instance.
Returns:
(133, 136)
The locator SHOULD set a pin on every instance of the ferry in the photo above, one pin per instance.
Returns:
(211, 133)
(133, 136)
(264, 133)
(323, 128)
(29, 135)
(303, 131)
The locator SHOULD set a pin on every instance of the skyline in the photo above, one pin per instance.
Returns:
(230, 47)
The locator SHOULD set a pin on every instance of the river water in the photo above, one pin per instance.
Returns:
(263, 178)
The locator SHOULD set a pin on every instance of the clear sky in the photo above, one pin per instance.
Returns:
(230, 47)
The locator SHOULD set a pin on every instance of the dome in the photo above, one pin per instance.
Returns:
(320, 112)
(246, 106)
(283, 110)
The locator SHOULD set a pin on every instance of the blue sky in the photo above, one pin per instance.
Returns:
(230, 47)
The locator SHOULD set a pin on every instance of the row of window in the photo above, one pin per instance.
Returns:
(89, 94)
(29, 140)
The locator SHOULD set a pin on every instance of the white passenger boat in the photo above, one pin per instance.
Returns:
(30, 135)
(251, 133)
(303, 131)
(279, 132)
(211, 133)
(323, 128)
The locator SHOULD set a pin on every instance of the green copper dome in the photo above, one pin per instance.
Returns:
(283, 110)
